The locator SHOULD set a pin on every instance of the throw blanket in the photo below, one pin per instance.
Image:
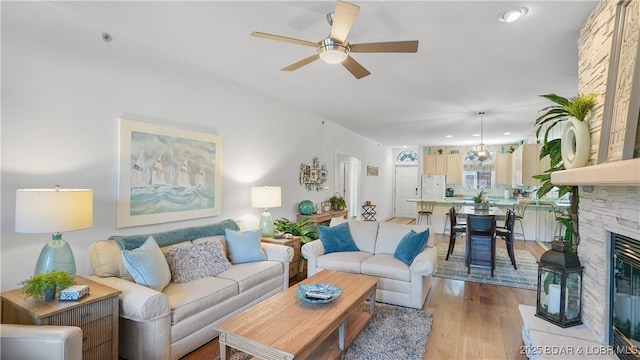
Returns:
(166, 238)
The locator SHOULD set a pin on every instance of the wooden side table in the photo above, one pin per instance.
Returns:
(325, 217)
(294, 266)
(96, 314)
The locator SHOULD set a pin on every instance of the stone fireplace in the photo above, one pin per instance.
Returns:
(609, 204)
(604, 211)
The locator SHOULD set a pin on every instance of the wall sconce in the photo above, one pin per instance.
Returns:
(54, 211)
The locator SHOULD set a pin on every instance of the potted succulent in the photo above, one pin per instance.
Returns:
(337, 202)
(573, 110)
(300, 228)
(45, 285)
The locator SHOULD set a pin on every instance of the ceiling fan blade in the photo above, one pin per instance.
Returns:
(283, 38)
(393, 46)
(355, 68)
(345, 15)
(301, 63)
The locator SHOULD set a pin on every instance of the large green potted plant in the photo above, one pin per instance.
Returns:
(572, 109)
(300, 228)
(45, 285)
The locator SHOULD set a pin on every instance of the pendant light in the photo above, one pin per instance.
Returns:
(479, 152)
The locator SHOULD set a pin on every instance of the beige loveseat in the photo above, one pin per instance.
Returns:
(169, 324)
(34, 342)
(400, 284)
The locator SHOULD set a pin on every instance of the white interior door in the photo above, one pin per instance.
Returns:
(348, 182)
(406, 187)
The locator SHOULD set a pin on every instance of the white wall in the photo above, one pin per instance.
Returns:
(63, 90)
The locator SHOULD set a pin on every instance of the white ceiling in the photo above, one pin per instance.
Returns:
(467, 60)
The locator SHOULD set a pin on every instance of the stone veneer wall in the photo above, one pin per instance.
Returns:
(603, 209)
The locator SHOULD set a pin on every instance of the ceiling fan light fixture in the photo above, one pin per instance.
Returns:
(513, 14)
(332, 52)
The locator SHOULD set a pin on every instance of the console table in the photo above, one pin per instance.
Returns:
(325, 217)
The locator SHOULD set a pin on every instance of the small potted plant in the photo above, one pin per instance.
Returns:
(45, 285)
(479, 202)
(337, 202)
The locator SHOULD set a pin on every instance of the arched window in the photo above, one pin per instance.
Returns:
(407, 156)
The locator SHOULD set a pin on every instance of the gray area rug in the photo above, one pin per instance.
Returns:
(526, 277)
(394, 333)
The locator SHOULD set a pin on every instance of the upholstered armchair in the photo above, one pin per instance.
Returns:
(35, 342)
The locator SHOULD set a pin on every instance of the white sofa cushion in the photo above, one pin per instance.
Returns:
(190, 298)
(390, 234)
(364, 234)
(386, 266)
(105, 257)
(249, 275)
(348, 261)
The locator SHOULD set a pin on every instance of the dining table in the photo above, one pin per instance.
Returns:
(493, 210)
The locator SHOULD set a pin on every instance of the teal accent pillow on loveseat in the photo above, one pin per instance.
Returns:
(336, 238)
(411, 245)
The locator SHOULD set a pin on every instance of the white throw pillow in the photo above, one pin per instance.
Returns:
(147, 265)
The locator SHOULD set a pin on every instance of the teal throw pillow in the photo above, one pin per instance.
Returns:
(147, 265)
(336, 238)
(244, 247)
(411, 245)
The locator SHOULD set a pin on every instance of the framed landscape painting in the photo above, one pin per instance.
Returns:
(167, 174)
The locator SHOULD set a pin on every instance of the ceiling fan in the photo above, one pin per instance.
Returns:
(335, 49)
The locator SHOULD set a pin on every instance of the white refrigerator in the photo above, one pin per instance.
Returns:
(433, 187)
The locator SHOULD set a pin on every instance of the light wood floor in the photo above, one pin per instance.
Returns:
(470, 320)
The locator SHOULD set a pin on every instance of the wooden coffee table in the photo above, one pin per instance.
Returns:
(285, 327)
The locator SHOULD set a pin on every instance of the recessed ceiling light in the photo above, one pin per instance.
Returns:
(507, 133)
(448, 136)
(513, 14)
(475, 135)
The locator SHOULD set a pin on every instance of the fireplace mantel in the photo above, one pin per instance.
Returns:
(618, 173)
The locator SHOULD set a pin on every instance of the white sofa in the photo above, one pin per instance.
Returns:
(400, 284)
(169, 324)
(34, 342)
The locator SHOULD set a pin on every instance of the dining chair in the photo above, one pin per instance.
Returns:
(506, 233)
(458, 206)
(519, 210)
(481, 242)
(456, 230)
(425, 209)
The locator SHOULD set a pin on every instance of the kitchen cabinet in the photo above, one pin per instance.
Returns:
(454, 169)
(502, 164)
(434, 164)
(526, 163)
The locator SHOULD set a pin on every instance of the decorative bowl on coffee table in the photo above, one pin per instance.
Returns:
(330, 291)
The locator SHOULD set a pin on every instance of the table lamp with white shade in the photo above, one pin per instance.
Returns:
(266, 197)
(54, 211)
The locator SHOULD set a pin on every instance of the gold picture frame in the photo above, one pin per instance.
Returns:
(372, 171)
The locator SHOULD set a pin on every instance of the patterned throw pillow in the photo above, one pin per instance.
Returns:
(188, 263)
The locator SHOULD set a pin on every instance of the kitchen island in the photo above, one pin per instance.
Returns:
(539, 220)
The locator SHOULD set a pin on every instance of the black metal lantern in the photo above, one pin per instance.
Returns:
(559, 286)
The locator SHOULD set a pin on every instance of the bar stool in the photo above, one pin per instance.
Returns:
(519, 210)
(425, 209)
(460, 221)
